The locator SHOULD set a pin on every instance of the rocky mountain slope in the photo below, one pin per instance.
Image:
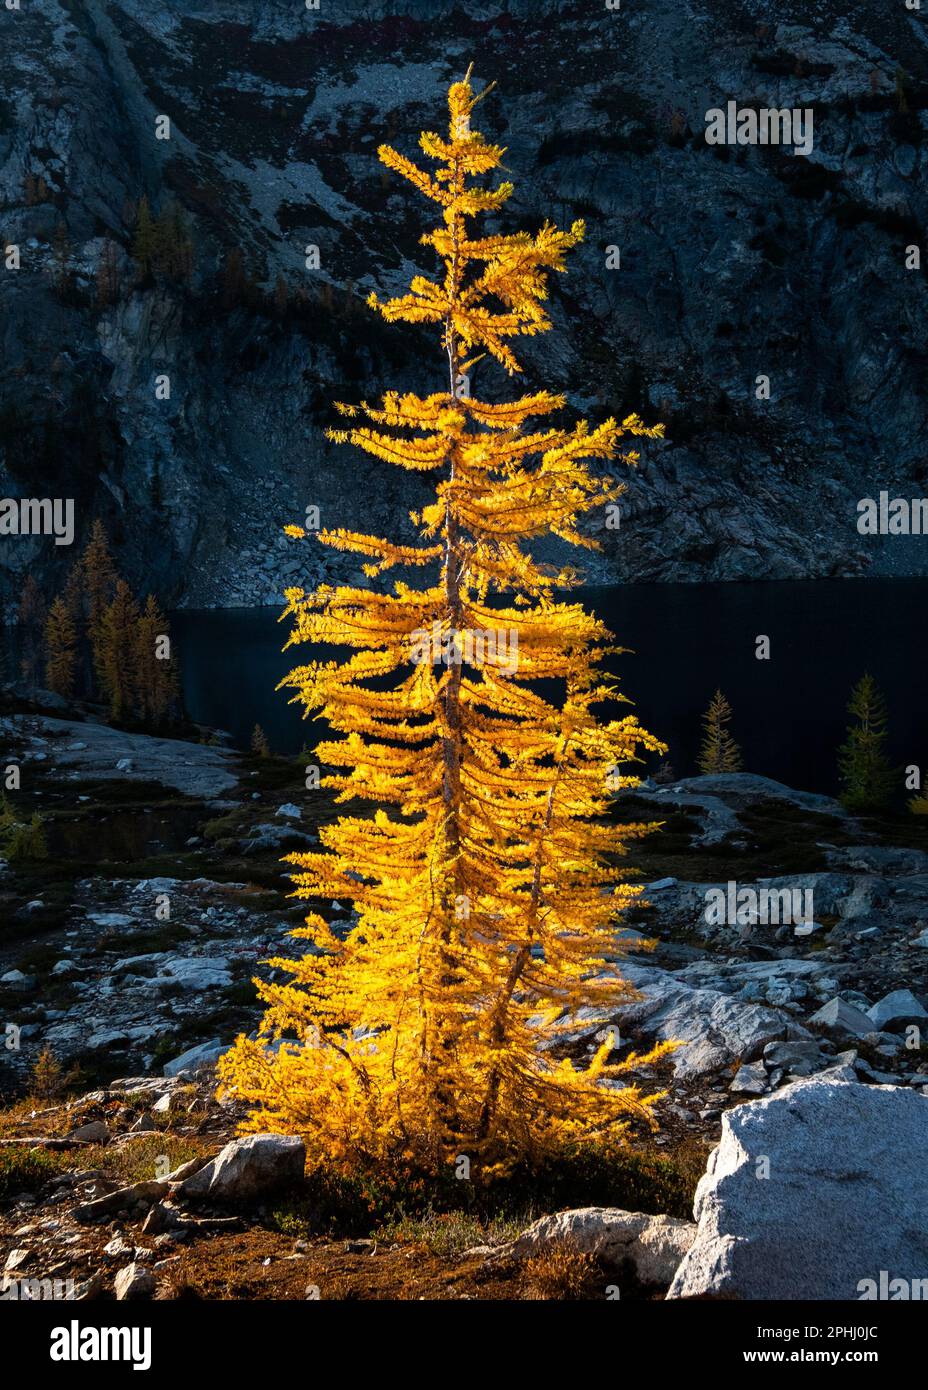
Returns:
(735, 263)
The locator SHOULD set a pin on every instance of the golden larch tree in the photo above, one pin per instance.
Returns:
(719, 751)
(60, 648)
(99, 576)
(484, 880)
(115, 653)
(156, 678)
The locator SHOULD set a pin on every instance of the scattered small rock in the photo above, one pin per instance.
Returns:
(897, 1010)
(841, 1021)
(248, 1168)
(135, 1281)
(195, 1058)
(95, 1132)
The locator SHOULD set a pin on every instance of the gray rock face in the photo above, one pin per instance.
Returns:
(741, 789)
(844, 1071)
(731, 257)
(143, 1088)
(264, 837)
(137, 1194)
(248, 1168)
(714, 1028)
(811, 1192)
(751, 1080)
(96, 1132)
(654, 1245)
(15, 979)
(195, 973)
(841, 1020)
(760, 981)
(896, 1010)
(798, 1058)
(192, 768)
(195, 1058)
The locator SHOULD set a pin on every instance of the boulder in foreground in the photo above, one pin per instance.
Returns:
(811, 1194)
(652, 1245)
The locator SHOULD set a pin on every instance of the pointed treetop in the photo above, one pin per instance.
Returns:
(514, 267)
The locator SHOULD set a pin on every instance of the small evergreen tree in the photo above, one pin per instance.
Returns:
(156, 677)
(35, 189)
(98, 643)
(163, 237)
(144, 242)
(47, 1075)
(72, 599)
(259, 743)
(115, 653)
(183, 243)
(61, 649)
(98, 578)
(25, 842)
(866, 776)
(719, 752)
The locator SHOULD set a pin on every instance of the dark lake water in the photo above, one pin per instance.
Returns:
(687, 639)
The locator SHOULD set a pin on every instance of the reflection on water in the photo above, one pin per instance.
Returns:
(789, 712)
(122, 835)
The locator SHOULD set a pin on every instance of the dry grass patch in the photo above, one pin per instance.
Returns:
(560, 1273)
